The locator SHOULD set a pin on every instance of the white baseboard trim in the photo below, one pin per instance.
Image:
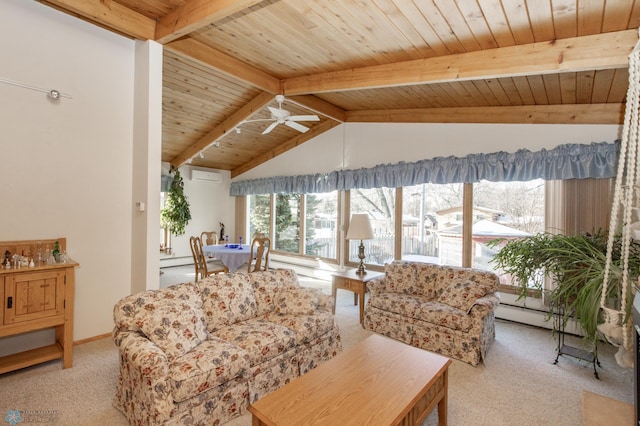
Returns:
(175, 261)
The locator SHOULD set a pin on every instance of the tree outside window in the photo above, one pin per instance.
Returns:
(379, 203)
(259, 214)
(321, 225)
(287, 219)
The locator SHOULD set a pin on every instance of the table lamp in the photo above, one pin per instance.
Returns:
(360, 229)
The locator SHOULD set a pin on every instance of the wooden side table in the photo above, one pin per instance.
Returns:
(352, 281)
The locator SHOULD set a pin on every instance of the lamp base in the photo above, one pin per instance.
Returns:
(361, 270)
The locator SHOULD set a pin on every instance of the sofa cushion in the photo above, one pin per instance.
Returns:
(306, 327)
(297, 301)
(403, 304)
(444, 315)
(427, 277)
(172, 319)
(399, 276)
(463, 294)
(208, 365)
(268, 284)
(227, 299)
(261, 339)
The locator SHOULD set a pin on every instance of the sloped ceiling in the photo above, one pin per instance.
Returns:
(444, 61)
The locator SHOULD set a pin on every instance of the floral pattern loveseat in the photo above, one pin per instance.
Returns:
(199, 353)
(442, 309)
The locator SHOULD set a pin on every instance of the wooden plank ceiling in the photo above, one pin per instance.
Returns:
(446, 61)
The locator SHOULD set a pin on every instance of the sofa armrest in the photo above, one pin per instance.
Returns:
(325, 301)
(376, 285)
(143, 382)
(142, 354)
(484, 305)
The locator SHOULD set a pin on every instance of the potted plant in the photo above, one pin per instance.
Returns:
(577, 264)
(176, 214)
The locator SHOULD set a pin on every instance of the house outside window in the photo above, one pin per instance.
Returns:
(379, 204)
(427, 210)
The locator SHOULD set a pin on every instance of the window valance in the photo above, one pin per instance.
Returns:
(570, 161)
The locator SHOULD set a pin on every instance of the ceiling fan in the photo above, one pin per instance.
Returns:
(282, 116)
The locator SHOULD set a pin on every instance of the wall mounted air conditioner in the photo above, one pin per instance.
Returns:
(205, 176)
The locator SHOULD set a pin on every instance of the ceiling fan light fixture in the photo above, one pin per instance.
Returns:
(282, 116)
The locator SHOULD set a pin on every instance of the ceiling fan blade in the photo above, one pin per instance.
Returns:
(270, 128)
(304, 118)
(274, 111)
(297, 126)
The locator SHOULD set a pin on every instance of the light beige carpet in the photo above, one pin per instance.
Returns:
(600, 410)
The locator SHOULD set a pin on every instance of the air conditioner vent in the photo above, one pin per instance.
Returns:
(205, 176)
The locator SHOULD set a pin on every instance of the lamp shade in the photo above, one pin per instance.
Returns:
(360, 227)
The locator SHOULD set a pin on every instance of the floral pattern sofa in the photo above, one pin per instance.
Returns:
(443, 309)
(199, 353)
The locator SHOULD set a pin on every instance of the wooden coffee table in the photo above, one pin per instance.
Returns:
(380, 381)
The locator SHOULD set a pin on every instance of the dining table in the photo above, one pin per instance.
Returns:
(232, 256)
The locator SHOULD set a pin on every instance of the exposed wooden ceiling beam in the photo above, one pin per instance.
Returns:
(593, 52)
(111, 15)
(195, 14)
(531, 114)
(226, 126)
(226, 64)
(284, 147)
(320, 106)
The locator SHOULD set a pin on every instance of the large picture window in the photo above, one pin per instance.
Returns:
(321, 225)
(259, 215)
(379, 204)
(429, 225)
(431, 218)
(508, 210)
(287, 221)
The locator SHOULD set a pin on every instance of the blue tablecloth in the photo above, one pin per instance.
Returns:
(232, 258)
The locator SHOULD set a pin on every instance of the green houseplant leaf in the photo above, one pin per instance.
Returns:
(576, 263)
(176, 214)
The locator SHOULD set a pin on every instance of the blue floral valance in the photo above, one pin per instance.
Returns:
(571, 161)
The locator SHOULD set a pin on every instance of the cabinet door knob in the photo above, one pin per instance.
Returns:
(9, 302)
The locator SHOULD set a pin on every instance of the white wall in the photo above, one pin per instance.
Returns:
(210, 204)
(66, 167)
(356, 145)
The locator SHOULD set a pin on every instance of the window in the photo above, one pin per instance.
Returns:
(287, 220)
(507, 210)
(379, 203)
(321, 225)
(431, 223)
(259, 215)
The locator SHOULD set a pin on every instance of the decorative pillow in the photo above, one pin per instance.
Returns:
(173, 320)
(268, 284)
(227, 299)
(462, 294)
(398, 275)
(297, 301)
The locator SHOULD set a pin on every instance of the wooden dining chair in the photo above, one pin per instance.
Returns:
(259, 260)
(200, 262)
(211, 238)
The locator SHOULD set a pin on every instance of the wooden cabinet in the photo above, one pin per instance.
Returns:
(33, 299)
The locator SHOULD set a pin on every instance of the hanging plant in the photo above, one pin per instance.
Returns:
(176, 214)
